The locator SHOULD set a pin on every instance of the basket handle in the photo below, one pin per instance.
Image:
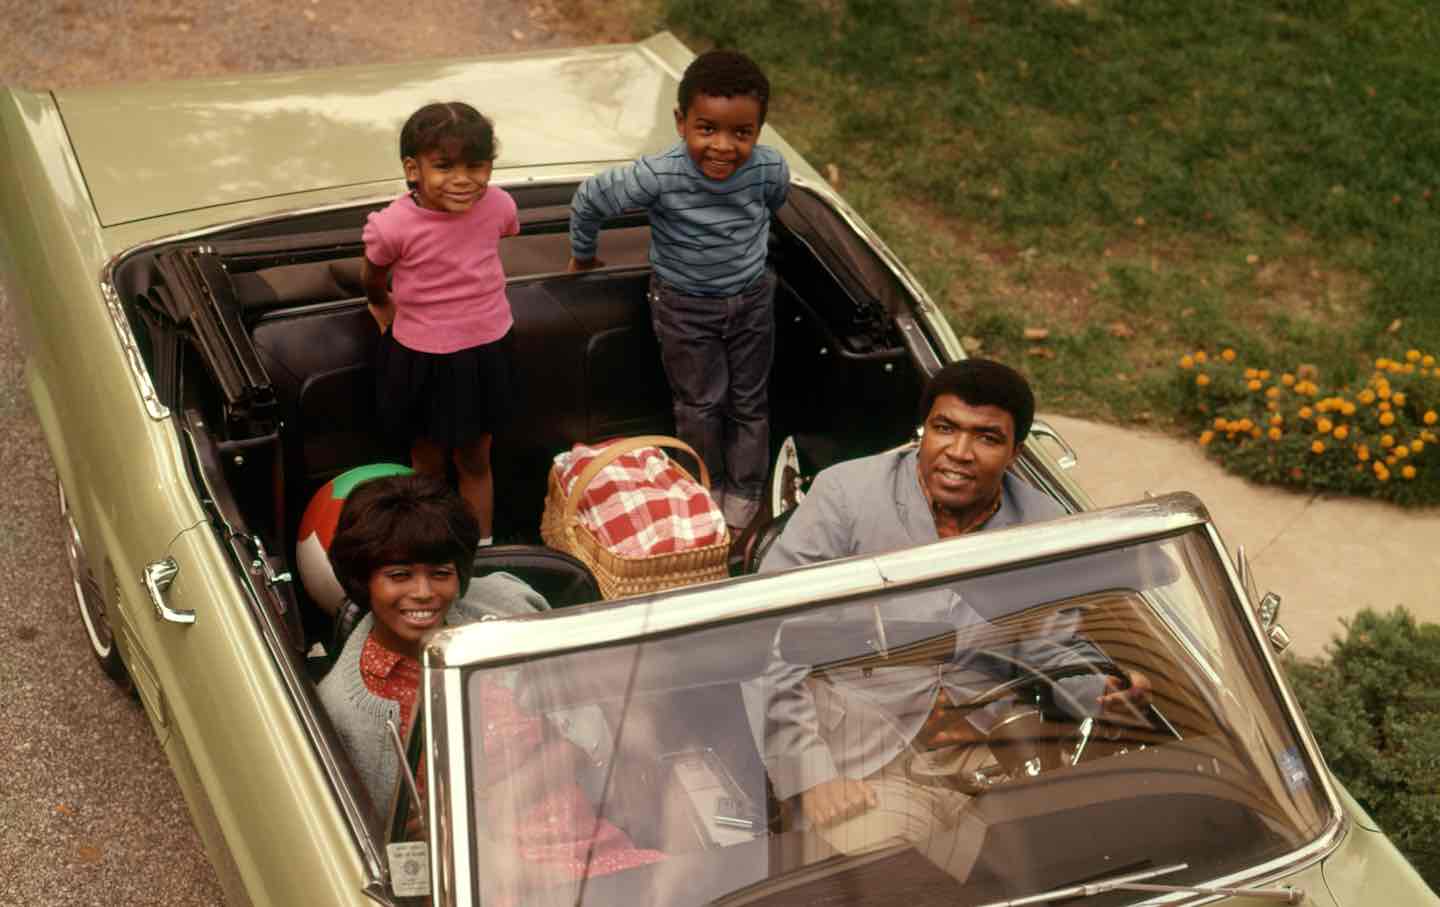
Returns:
(618, 449)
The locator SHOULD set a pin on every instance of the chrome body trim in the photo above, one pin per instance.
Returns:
(300, 693)
(141, 375)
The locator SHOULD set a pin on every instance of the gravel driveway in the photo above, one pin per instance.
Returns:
(89, 812)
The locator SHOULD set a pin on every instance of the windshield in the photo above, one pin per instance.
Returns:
(934, 744)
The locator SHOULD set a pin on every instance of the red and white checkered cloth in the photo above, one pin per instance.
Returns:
(641, 504)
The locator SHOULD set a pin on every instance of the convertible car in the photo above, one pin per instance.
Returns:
(184, 264)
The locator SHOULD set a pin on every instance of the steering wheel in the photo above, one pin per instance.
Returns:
(1034, 736)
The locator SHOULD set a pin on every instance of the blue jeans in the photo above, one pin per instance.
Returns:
(717, 352)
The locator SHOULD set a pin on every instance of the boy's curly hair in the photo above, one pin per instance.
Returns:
(454, 125)
(724, 74)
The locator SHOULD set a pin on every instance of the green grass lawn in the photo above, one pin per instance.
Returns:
(1139, 178)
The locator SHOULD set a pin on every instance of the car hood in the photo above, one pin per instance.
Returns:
(154, 149)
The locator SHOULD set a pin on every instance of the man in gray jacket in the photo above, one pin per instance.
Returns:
(857, 746)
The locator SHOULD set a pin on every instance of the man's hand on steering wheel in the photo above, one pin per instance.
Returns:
(1118, 696)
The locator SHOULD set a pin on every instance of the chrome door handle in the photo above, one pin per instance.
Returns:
(1068, 457)
(158, 577)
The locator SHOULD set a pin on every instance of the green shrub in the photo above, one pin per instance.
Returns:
(1375, 708)
(1374, 436)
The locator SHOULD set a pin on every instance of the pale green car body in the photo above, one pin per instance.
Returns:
(89, 175)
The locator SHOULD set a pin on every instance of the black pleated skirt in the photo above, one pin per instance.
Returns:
(451, 399)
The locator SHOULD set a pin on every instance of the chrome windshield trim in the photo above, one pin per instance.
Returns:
(449, 798)
(754, 596)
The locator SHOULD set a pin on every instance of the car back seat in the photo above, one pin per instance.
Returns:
(588, 368)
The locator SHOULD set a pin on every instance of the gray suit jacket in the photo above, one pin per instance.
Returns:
(854, 723)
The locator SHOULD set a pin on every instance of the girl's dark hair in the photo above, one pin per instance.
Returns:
(984, 382)
(408, 519)
(451, 122)
(723, 74)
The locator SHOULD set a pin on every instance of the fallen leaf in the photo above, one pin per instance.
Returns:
(1252, 258)
(1186, 312)
(832, 175)
(1044, 352)
(971, 344)
(1037, 333)
(88, 854)
(64, 809)
(1308, 371)
(1139, 221)
(1121, 329)
(1394, 326)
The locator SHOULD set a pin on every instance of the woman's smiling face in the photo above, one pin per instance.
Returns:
(410, 601)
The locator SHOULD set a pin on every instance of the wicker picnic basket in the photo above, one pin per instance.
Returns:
(618, 575)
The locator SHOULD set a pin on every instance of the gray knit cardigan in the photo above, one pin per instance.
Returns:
(359, 715)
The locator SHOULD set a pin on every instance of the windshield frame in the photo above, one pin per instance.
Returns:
(490, 644)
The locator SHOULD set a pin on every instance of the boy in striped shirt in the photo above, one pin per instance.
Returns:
(710, 198)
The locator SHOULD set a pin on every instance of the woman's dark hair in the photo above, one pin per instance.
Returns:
(453, 125)
(408, 519)
(723, 74)
(984, 382)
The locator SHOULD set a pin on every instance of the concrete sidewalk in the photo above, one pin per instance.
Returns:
(1326, 557)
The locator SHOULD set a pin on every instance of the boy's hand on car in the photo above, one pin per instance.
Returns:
(583, 264)
(837, 799)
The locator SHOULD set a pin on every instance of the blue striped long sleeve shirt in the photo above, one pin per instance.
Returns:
(707, 237)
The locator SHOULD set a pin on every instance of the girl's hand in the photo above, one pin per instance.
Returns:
(383, 316)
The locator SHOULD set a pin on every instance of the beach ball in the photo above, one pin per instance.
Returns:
(317, 529)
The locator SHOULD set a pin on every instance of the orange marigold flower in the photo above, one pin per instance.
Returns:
(1323, 426)
(1397, 399)
(1206, 437)
(1387, 441)
(1187, 361)
(1305, 412)
(1264, 374)
(1384, 392)
(1384, 406)
(1200, 356)
(1244, 425)
(1412, 355)
(1429, 417)
(1251, 373)
(1253, 385)
(1402, 451)
(1274, 434)
(1387, 418)
(1362, 453)
(1220, 423)
(1317, 447)
(1408, 471)
(1277, 419)
(1367, 396)
(1287, 379)
(1227, 354)
(1347, 408)
(1390, 460)
(1255, 433)
(1427, 360)
(1382, 362)
(1272, 405)
(1202, 380)
(1382, 474)
(1272, 392)
(1342, 432)
(1417, 445)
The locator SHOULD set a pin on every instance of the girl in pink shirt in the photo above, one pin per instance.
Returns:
(433, 277)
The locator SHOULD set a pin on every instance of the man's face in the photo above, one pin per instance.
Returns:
(964, 453)
(719, 133)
